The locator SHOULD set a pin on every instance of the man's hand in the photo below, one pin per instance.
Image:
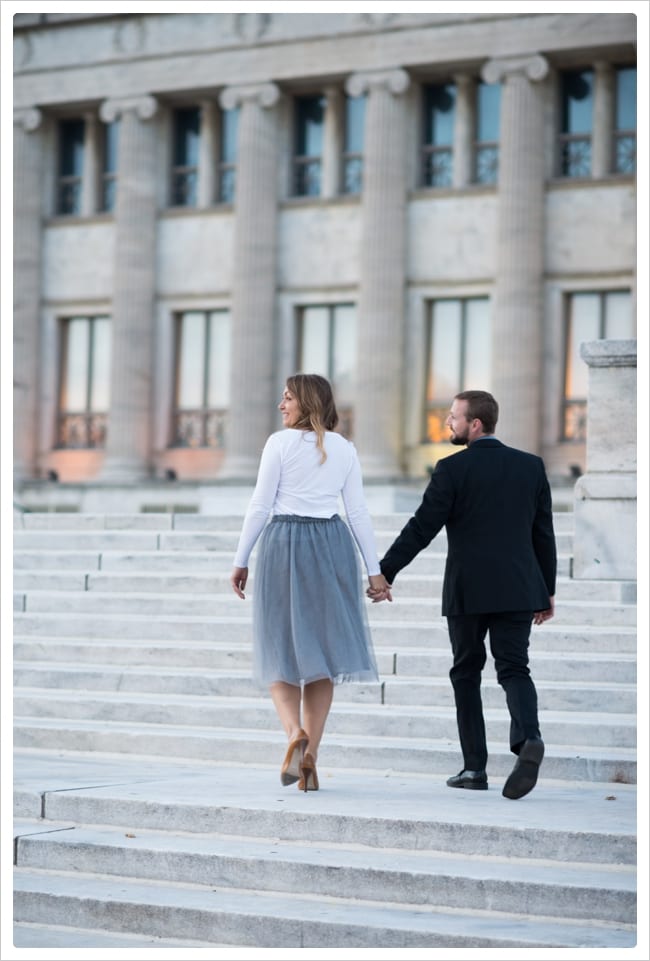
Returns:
(540, 616)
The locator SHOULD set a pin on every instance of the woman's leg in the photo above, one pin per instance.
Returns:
(317, 700)
(286, 699)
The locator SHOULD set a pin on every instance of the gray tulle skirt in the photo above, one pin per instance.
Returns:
(309, 608)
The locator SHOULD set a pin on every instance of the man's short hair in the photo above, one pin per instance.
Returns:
(482, 406)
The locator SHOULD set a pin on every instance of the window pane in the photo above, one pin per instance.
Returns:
(577, 102)
(219, 359)
(478, 346)
(619, 321)
(314, 352)
(626, 98)
(444, 362)
(488, 104)
(186, 137)
(75, 378)
(344, 361)
(101, 365)
(309, 128)
(229, 125)
(355, 109)
(191, 360)
(440, 103)
(71, 148)
(584, 323)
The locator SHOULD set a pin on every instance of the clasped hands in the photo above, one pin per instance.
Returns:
(379, 590)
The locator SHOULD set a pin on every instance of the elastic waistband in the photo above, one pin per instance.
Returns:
(297, 519)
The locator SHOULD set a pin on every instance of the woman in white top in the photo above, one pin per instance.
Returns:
(310, 628)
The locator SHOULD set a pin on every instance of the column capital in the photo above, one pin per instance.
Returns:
(145, 107)
(29, 119)
(265, 94)
(533, 67)
(396, 81)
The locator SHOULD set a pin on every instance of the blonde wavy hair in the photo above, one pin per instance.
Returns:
(317, 408)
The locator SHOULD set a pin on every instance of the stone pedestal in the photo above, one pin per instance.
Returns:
(605, 496)
(378, 406)
(27, 285)
(252, 399)
(129, 428)
(517, 309)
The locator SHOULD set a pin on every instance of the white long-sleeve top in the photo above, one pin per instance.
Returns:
(292, 480)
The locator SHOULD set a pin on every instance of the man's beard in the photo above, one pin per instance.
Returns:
(457, 440)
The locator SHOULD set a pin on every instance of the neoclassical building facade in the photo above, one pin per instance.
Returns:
(411, 204)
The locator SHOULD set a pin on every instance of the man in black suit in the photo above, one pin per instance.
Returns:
(495, 502)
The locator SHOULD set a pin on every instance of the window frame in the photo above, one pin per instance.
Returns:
(301, 163)
(345, 411)
(93, 421)
(212, 421)
(69, 181)
(184, 176)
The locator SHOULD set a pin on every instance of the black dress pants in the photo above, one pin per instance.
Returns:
(509, 636)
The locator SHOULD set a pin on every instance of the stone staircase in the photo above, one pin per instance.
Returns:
(147, 796)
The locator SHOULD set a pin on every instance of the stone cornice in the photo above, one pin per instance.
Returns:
(532, 66)
(396, 81)
(609, 353)
(264, 94)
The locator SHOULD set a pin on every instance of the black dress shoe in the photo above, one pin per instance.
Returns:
(523, 776)
(474, 780)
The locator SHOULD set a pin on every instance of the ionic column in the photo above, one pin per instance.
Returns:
(332, 142)
(129, 426)
(252, 398)
(208, 154)
(463, 131)
(517, 309)
(28, 159)
(604, 109)
(90, 176)
(378, 407)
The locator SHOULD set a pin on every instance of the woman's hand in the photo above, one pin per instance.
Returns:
(379, 590)
(238, 580)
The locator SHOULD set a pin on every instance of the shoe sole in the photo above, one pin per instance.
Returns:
(470, 787)
(523, 778)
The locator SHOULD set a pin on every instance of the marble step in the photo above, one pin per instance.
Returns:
(590, 729)
(225, 745)
(216, 655)
(389, 631)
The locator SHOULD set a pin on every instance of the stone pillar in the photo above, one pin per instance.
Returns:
(378, 406)
(604, 109)
(252, 394)
(517, 308)
(129, 427)
(463, 130)
(91, 165)
(332, 143)
(28, 160)
(208, 155)
(605, 496)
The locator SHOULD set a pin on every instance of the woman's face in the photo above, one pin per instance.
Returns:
(289, 408)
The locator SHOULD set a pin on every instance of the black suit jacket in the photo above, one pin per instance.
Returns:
(495, 502)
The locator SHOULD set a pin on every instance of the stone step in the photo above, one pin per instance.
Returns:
(423, 878)
(566, 695)
(229, 605)
(545, 665)
(60, 936)
(448, 857)
(219, 540)
(392, 522)
(244, 917)
(565, 762)
(595, 729)
(188, 562)
(237, 630)
(409, 585)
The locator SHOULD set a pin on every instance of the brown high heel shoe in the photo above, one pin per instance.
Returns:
(291, 767)
(309, 779)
